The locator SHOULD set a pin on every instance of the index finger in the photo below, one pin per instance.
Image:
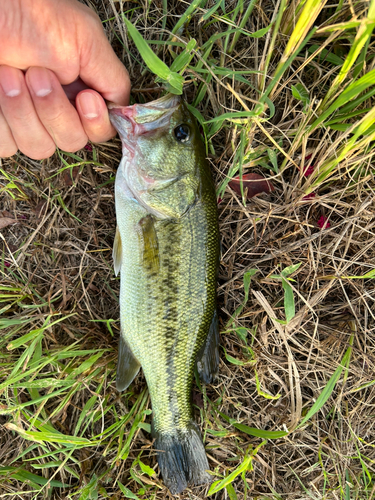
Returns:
(101, 69)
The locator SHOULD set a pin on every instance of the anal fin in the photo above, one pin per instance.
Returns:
(208, 358)
(127, 365)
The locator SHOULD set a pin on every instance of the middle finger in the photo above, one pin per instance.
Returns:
(55, 111)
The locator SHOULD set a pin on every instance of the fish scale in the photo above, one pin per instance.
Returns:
(167, 251)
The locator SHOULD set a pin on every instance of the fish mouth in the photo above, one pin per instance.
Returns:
(140, 119)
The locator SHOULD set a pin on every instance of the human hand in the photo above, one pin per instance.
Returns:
(45, 45)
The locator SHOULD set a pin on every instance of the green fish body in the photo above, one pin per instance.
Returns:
(167, 251)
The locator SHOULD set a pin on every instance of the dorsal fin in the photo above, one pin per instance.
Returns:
(117, 252)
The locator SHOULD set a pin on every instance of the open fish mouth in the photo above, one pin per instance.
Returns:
(139, 119)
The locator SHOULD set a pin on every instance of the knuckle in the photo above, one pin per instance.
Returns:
(55, 119)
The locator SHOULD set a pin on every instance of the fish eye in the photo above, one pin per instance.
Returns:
(182, 132)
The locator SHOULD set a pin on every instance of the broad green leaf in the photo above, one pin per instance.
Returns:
(146, 469)
(242, 333)
(290, 269)
(183, 59)
(271, 106)
(231, 492)
(289, 306)
(145, 427)
(300, 93)
(273, 159)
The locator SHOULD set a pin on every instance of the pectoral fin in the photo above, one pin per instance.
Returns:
(149, 243)
(208, 357)
(117, 252)
(127, 365)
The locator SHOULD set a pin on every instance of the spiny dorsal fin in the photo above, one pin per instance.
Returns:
(117, 252)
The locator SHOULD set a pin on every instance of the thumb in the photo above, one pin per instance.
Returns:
(100, 68)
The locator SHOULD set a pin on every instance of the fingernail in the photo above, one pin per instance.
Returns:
(40, 81)
(90, 105)
(11, 82)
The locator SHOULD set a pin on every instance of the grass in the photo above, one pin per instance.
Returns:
(283, 89)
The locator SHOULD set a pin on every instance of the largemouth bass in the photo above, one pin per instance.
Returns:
(167, 251)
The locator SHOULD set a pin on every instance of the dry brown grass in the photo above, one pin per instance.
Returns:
(60, 255)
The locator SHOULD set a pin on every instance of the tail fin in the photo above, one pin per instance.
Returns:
(182, 458)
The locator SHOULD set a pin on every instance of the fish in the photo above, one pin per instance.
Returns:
(166, 250)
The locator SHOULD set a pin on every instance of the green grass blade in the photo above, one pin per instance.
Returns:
(23, 475)
(363, 36)
(152, 61)
(252, 431)
(289, 306)
(183, 59)
(242, 24)
(127, 493)
(222, 483)
(186, 16)
(327, 391)
(351, 92)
